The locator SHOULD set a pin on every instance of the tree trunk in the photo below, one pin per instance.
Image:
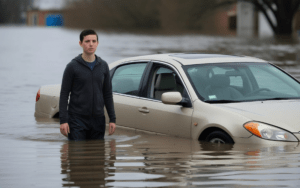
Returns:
(284, 17)
(284, 27)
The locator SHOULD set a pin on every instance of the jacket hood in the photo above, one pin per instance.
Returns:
(81, 60)
(283, 113)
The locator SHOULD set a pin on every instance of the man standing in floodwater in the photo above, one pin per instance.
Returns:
(87, 78)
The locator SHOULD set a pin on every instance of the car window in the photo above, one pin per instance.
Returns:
(127, 78)
(163, 79)
(241, 82)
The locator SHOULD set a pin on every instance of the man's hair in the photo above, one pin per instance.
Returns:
(87, 32)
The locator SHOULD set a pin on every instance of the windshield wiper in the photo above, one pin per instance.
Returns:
(279, 98)
(222, 101)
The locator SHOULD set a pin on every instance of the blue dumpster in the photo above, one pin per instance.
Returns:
(54, 20)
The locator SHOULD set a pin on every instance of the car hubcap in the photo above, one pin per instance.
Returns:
(217, 141)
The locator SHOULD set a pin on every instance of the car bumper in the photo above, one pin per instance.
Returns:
(46, 107)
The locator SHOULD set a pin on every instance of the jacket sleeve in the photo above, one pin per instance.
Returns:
(108, 96)
(66, 87)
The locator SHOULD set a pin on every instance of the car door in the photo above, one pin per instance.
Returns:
(126, 83)
(158, 117)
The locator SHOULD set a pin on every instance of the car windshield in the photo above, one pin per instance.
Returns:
(239, 82)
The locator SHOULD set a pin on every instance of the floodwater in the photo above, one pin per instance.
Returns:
(33, 153)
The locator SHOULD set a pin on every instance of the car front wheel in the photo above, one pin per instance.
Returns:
(219, 137)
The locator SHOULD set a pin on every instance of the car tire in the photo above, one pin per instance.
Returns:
(219, 137)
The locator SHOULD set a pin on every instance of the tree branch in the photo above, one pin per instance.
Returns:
(270, 7)
(263, 10)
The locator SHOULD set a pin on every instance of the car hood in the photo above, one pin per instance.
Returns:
(281, 113)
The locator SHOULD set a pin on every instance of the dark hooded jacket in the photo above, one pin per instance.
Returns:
(90, 90)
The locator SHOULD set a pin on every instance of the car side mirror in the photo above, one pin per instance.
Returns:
(171, 97)
(175, 98)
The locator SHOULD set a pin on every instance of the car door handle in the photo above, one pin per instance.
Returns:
(144, 110)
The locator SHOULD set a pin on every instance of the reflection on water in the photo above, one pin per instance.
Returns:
(35, 154)
(86, 164)
(126, 160)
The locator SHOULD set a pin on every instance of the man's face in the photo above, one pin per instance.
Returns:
(89, 44)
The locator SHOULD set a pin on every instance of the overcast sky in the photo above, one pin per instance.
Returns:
(49, 4)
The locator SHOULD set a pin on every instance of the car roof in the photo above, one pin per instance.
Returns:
(193, 58)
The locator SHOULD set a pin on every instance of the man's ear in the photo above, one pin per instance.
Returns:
(80, 43)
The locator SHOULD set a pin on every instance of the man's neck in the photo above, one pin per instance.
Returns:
(88, 57)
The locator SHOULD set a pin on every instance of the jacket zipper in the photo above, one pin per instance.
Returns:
(93, 102)
(92, 88)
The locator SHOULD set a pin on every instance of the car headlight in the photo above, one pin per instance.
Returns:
(269, 132)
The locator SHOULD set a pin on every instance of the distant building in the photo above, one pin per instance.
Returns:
(225, 20)
(45, 13)
(45, 18)
(221, 21)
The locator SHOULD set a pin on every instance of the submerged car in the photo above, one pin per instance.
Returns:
(211, 97)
